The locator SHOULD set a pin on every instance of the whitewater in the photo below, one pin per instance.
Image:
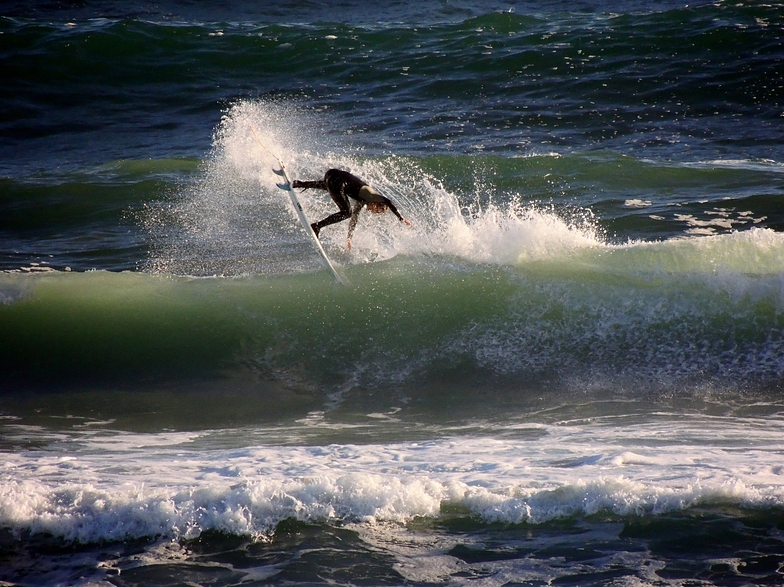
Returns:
(97, 487)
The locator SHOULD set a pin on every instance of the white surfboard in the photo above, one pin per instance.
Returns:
(286, 186)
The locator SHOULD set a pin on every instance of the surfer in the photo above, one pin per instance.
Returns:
(342, 185)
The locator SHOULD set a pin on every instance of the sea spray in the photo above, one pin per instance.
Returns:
(233, 220)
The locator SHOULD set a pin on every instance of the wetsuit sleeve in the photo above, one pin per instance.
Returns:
(319, 184)
(391, 206)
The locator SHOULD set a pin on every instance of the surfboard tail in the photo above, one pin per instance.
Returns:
(286, 186)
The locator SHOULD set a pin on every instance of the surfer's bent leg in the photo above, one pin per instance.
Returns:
(345, 212)
(331, 219)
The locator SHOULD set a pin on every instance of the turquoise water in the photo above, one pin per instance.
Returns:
(567, 371)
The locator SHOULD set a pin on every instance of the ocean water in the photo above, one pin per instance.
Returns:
(568, 371)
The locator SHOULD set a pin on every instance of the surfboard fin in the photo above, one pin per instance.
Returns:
(279, 172)
(283, 186)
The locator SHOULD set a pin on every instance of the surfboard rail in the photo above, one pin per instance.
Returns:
(286, 186)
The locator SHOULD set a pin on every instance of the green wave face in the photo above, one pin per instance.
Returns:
(706, 309)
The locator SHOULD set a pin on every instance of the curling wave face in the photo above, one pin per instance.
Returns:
(483, 283)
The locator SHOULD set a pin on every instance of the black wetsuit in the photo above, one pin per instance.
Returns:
(341, 185)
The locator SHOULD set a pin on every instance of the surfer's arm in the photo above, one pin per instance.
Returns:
(319, 184)
(391, 206)
(352, 224)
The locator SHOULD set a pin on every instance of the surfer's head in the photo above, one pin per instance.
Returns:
(376, 207)
(374, 201)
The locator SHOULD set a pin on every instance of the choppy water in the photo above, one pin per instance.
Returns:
(568, 371)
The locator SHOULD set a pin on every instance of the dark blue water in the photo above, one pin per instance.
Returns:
(87, 85)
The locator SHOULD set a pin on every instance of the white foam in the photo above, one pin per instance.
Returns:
(749, 164)
(511, 236)
(637, 203)
(140, 485)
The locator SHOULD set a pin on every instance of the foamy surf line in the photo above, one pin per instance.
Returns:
(148, 487)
